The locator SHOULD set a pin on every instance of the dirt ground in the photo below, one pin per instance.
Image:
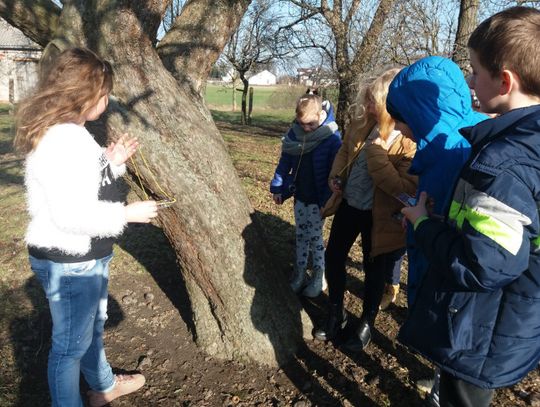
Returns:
(146, 330)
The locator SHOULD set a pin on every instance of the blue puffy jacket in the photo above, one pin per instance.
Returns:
(477, 311)
(433, 99)
(322, 158)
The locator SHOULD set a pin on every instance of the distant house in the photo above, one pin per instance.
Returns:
(315, 77)
(19, 57)
(307, 76)
(263, 78)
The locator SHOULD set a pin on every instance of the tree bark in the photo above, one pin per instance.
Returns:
(242, 308)
(467, 21)
(37, 19)
(245, 84)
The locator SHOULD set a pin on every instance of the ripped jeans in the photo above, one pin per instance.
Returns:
(77, 295)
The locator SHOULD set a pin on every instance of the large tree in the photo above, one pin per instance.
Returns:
(240, 309)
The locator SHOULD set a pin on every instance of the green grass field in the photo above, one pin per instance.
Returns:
(264, 97)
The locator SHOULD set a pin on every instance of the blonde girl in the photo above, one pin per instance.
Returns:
(307, 153)
(369, 171)
(76, 211)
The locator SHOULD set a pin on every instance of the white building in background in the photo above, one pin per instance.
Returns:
(19, 57)
(263, 78)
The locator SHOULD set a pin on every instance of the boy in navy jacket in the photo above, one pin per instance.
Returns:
(476, 312)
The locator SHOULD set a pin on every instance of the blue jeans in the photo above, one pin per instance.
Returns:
(77, 295)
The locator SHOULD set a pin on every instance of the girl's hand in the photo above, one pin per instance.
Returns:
(118, 153)
(277, 199)
(141, 211)
(336, 185)
(412, 213)
(379, 142)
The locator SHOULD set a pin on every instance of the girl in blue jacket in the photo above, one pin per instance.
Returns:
(308, 151)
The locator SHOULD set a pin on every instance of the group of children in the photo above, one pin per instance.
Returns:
(473, 234)
(473, 231)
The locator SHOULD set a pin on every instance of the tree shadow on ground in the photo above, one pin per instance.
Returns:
(151, 248)
(30, 335)
(302, 368)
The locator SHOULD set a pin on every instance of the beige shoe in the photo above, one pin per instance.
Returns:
(124, 384)
(390, 295)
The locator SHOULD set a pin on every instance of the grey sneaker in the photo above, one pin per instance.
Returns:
(424, 385)
(314, 288)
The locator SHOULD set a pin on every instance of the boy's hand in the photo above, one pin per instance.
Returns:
(118, 153)
(277, 199)
(412, 213)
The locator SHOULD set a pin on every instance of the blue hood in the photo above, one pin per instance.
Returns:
(433, 99)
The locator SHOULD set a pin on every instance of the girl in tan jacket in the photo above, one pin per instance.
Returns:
(368, 174)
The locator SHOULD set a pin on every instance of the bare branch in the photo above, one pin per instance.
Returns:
(37, 19)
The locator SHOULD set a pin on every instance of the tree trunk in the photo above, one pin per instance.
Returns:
(245, 83)
(467, 21)
(250, 105)
(234, 95)
(242, 308)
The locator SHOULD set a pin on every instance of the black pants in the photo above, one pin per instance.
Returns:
(376, 275)
(348, 223)
(454, 392)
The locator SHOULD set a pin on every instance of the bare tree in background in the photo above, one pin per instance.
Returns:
(241, 305)
(418, 28)
(256, 43)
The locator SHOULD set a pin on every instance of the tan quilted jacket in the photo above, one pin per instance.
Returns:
(388, 170)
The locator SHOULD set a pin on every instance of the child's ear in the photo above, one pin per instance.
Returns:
(509, 82)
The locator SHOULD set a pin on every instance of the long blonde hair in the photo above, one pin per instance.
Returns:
(72, 86)
(376, 90)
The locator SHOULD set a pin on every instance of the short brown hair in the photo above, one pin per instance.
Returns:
(73, 85)
(307, 105)
(509, 40)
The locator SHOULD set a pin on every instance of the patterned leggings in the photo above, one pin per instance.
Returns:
(309, 237)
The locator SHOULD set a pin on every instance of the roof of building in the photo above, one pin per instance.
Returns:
(13, 38)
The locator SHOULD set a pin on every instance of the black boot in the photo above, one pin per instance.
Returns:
(337, 320)
(360, 339)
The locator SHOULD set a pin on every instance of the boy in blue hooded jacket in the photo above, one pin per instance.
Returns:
(433, 99)
(476, 311)
(430, 101)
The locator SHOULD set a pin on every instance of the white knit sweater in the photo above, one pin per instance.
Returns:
(63, 176)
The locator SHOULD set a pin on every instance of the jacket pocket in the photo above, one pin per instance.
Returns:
(460, 313)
